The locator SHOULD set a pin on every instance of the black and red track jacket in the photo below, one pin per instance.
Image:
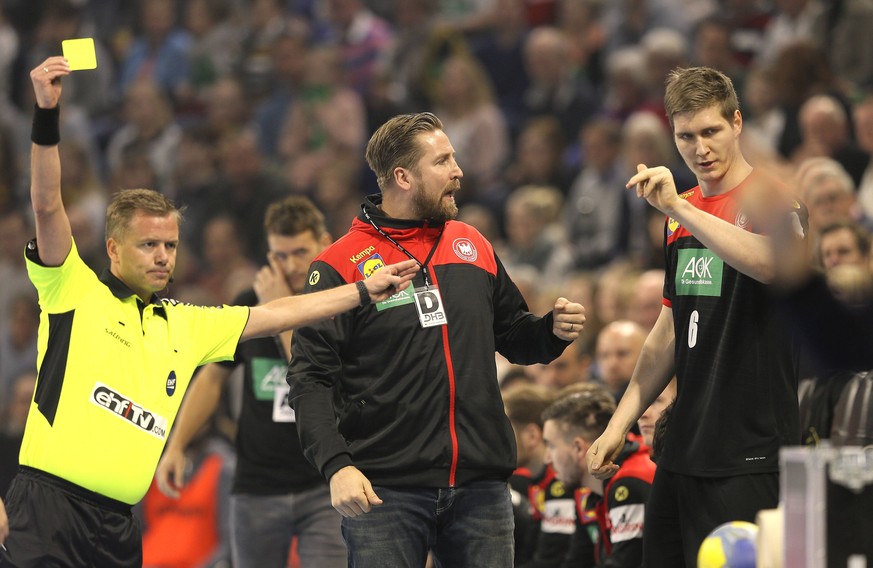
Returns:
(408, 405)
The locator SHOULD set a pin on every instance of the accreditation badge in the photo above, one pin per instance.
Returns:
(282, 411)
(430, 308)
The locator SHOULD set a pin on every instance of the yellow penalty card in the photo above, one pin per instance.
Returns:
(80, 53)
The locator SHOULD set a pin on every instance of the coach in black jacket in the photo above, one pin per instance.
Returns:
(397, 403)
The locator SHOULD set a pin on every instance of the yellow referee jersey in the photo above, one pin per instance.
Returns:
(112, 373)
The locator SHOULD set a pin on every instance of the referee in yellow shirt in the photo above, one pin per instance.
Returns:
(114, 360)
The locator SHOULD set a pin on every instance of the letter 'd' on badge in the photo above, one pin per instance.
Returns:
(430, 307)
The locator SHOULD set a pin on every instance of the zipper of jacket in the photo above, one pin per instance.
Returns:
(453, 433)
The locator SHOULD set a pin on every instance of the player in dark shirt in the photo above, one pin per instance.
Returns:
(719, 331)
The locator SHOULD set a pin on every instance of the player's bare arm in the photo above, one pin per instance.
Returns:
(745, 251)
(654, 369)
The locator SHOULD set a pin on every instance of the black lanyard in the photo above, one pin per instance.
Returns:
(424, 264)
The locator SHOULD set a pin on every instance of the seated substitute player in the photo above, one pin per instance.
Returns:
(570, 426)
(544, 531)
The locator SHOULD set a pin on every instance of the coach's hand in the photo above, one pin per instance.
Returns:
(351, 492)
(568, 319)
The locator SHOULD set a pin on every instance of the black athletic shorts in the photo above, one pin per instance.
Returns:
(682, 510)
(53, 522)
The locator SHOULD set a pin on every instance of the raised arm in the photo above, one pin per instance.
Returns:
(53, 233)
(295, 311)
(745, 251)
(654, 370)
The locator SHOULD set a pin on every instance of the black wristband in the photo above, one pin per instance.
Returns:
(46, 129)
(363, 293)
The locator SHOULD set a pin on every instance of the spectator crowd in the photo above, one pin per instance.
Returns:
(227, 106)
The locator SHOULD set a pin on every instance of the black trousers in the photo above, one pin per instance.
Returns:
(682, 510)
(53, 522)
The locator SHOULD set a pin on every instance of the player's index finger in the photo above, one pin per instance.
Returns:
(80, 53)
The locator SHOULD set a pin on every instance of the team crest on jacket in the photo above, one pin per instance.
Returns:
(465, 249)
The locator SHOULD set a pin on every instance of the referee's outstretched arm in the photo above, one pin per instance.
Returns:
(299, 310)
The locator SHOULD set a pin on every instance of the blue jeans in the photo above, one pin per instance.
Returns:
(468, 526)
(262, 527)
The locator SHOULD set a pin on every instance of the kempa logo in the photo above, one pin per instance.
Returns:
(699, 274)
(105, 397)
(366, 252)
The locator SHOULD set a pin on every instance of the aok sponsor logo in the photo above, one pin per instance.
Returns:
(124, 408)
(268, 374)
(401, 298)
(699, 273)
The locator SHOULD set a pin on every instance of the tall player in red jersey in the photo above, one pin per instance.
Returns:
(719, 331)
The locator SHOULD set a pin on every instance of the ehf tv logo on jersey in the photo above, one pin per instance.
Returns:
(108, 399)
(465, 249)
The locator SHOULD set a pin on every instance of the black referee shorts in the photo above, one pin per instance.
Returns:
(53, 522)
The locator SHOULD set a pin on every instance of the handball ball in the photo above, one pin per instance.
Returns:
(731, 545)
